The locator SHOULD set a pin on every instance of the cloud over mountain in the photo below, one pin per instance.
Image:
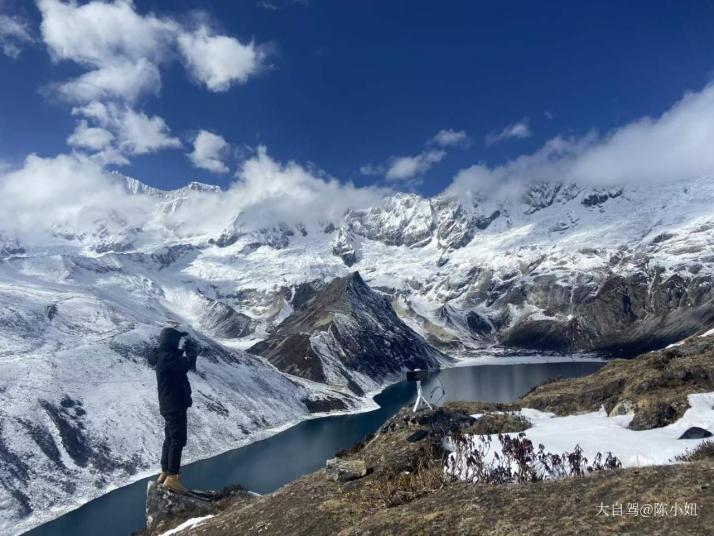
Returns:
(406, 167)
(676, 145)
(75, 193)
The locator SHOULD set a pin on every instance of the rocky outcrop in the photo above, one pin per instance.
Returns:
(402, 219)
(166, 510)
(347, 335)
(345, 470)
(540, 196)
(346, 246)
(653, 415)
(223, 321)
(598, 197)
(10, 247)
(276, 237)
(653, 387)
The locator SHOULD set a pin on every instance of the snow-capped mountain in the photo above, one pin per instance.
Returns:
(557, 266)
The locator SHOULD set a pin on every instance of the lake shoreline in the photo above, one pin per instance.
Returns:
(369, 405)
(663, 457)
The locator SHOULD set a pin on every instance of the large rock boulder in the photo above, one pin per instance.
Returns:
(654, 415)
(695, 432)
(345, 470)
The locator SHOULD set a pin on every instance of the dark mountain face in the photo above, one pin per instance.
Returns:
(347, 335)
(617, 315)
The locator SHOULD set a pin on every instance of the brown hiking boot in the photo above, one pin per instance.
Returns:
(173, 483)
(162, 477)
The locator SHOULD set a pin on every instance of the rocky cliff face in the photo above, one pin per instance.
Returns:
(347, 335)
(622, 315)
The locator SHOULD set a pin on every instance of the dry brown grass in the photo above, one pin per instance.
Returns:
(397, 487)
(704, 451)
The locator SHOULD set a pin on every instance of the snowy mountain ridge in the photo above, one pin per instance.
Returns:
(557, 266)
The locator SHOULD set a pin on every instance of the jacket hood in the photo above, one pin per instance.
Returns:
(170, 337)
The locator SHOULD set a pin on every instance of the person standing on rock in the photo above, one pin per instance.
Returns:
(172, 366)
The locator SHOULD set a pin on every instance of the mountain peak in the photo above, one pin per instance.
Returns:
(348, 334)
(201, 187)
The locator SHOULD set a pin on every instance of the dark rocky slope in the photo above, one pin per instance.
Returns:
(347, 334)
(610, 313)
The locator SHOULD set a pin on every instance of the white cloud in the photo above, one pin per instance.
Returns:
(14, 34)
(675, 146)
(66, 191)
(110, 155)
(402, 168)
(518, 130)
(267, 4)
(405, 167)
(140, 133)
(127, 80)
(95, 110)
(371, 170)
(449, 137)
(209, 152)
(74, 193)
(122, 52)
(267, 191)
(218, 61)
(92, 138)
(111, 37)
(135, 132)
(98, 33)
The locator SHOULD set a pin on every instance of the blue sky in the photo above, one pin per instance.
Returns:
(349, 87)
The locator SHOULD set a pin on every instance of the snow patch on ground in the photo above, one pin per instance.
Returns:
(596, 432)
(188, 524)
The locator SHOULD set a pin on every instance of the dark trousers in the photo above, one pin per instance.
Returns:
(174, 441)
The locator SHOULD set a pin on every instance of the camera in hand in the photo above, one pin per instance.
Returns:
(190, 348)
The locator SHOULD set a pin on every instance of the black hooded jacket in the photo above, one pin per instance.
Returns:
(171, 373)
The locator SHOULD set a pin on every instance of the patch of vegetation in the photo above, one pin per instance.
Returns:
(703, 451)
(426, 476)
(519, 461)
